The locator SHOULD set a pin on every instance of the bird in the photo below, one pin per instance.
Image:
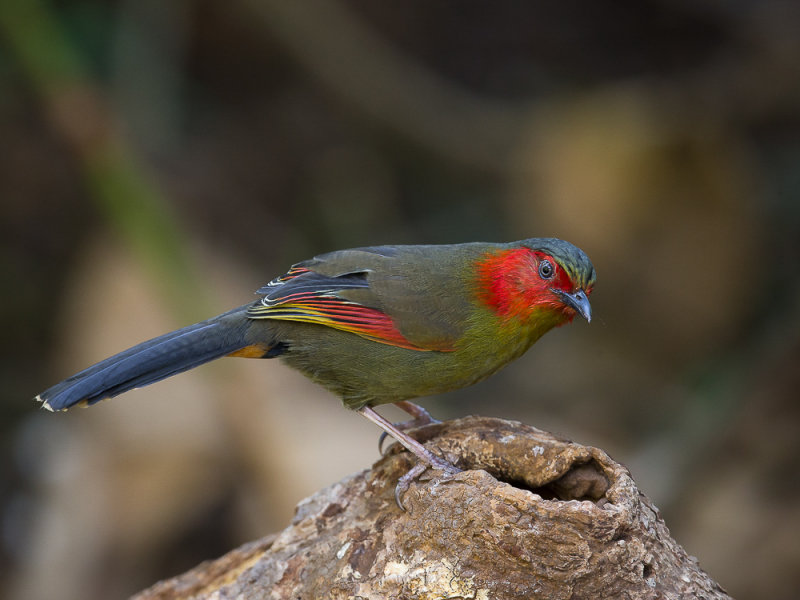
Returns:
(375, 325)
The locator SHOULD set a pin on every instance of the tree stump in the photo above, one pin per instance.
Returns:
(531, 516)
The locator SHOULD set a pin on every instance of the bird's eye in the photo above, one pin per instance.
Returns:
(546, 270)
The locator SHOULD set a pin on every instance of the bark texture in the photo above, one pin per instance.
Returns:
(531, 516)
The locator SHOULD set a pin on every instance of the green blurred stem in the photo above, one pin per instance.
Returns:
(123, 190)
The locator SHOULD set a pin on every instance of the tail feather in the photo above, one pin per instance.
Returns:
(148, 362)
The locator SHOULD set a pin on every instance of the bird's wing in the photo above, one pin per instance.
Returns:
(388, 294)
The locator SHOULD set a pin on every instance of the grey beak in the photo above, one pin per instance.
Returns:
(577, 300)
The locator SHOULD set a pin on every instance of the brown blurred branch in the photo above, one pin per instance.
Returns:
(533, 516)
(360, 66)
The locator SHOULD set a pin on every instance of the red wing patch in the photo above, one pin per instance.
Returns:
(313, 299)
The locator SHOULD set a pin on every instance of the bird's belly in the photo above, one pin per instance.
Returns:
(363, 372)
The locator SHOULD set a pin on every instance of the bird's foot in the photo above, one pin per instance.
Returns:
(421, 417)
(406, 480)
(425, 456)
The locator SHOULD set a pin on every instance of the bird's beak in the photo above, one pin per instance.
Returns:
(577, 300)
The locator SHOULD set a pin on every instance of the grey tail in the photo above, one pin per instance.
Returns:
(150, 361)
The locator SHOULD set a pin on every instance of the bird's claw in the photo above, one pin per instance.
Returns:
(382, 439)
(405, 481)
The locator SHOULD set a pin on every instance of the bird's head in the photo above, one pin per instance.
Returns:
(542, 279)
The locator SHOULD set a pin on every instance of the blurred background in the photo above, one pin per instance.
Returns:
(159, 161)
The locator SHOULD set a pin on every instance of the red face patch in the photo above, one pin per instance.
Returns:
(517, 283)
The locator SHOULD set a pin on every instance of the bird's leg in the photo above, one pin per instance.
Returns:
(427, 458)
(421, 417)
(407, 441)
